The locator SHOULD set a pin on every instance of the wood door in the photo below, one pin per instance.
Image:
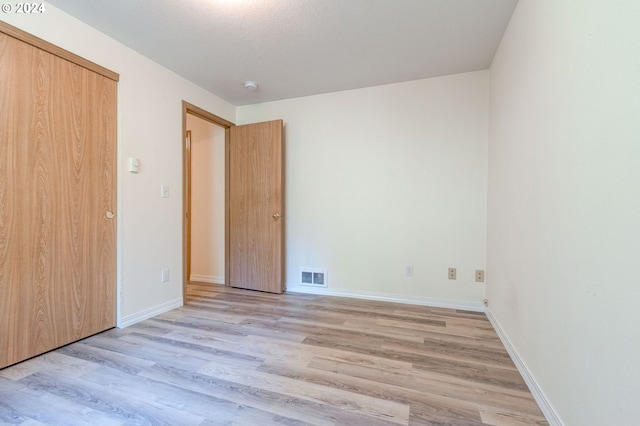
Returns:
(255, 207)
(57, 201)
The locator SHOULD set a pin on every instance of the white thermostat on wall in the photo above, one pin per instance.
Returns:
(134, 165)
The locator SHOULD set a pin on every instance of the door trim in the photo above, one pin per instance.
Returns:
(188, 108)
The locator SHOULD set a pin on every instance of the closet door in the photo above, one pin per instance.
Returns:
(57, 201)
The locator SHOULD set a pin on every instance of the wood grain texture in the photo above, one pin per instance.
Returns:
(45, 46)
(239, 357)
(255, 195)
(57, 180)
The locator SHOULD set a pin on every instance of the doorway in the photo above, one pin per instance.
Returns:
(204, 205)
(205, 263)
(253, 202)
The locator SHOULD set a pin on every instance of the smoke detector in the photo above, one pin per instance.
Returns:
(251, 85)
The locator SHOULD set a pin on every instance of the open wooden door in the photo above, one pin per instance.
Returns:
(255, 207)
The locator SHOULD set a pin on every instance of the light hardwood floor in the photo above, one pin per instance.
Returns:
(235, 357)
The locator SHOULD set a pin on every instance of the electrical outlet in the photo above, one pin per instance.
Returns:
(408, 270)
(486, 302)
(452, 273)
(479, 275)
(165, 275)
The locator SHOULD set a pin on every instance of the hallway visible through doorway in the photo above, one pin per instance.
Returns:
(205, 262)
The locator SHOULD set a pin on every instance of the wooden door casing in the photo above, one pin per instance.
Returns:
(57, 190)
(256, 206)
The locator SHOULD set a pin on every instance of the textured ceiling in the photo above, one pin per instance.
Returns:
(297, 48)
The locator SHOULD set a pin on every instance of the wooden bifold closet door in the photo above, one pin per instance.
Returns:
(57, 201)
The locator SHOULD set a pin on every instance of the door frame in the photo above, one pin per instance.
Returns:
(188, 108)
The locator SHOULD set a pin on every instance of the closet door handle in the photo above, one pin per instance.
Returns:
(109, 214)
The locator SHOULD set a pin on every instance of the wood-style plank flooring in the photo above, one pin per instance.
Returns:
(234, 357)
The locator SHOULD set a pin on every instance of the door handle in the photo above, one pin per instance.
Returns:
(108, 214)
(276, 216)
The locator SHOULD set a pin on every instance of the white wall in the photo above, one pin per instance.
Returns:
(564, 203)
(149, 128)
(384, 177)
(207, 200)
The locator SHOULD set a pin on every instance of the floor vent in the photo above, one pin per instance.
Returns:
(313, 277)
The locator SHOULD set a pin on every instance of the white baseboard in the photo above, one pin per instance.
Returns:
(206, 279)
(542, 400)
(149, 313)
(410, 300)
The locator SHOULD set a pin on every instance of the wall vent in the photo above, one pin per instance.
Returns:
(313, 277)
